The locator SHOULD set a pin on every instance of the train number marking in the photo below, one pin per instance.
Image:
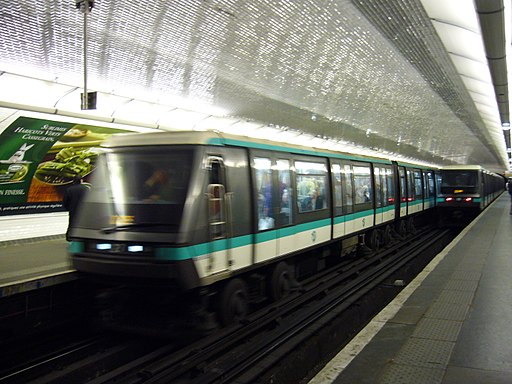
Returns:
(122, 219)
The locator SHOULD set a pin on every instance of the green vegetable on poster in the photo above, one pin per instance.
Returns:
(68, 163)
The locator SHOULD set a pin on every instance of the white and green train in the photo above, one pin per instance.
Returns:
(464, 191)
(237, 219)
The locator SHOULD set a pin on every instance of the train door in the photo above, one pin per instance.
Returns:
(402, 181)
(338, 227)
(486, 188)
(265, 238)
(219, 216)
(413, 204)
(377, 180)
(364, 210)
(341, 181)
(428, 189)
(437, 182)
(388, 193)
(481, 189)
(384, 194)
(286, 212)
(348, 193)
(417, 191)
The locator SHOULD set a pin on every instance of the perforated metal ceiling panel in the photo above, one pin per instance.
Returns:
(370, 72)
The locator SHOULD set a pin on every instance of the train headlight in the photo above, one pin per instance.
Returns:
(122, 248)
(135, 248)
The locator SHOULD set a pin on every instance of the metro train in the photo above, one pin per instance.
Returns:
(231, 220)
(464, 191)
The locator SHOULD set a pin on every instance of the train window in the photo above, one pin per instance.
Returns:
(285, 191)
(410, 185)
(390, 182)
(384, 187)
(311, 181)
(429, 184)
(459, 179)
(362, 185)
(263, 171)
(338, 203)
(147, 186)
(216, 196)
(157, 179)
(384, 184)
(378, 187)
(418, 185)
(438, 183)
(216, 170)
(426, 192)
(403, 188)
(348, 190)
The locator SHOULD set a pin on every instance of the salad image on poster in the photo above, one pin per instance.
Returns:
(74, 154)
(67, 164)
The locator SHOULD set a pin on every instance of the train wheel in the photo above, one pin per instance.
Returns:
(386, 235)
(280, 282)
(402, 228)
(233, 303)
(411, 228)
(372, 239)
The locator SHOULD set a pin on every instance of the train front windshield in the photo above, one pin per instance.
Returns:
(459, 179)
(142, 190)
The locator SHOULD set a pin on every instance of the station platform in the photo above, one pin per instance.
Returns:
(452, 324)
(30, 264)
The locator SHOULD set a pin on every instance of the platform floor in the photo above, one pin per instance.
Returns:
(33, 263)
(451, 325)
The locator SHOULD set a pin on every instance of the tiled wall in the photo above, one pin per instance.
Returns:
(33, 226)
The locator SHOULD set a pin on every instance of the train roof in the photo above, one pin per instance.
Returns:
(158, 138)
(462, 167)
(224, 139)
(466, 168)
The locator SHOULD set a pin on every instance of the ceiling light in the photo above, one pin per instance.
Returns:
(180, 119)
(28, 91)
(140, 112)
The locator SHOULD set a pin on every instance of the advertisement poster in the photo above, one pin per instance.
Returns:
(40, 158)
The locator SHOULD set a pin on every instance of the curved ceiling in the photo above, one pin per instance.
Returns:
(392, 76)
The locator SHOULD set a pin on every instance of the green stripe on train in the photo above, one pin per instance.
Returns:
(76, 247)
(352, 216)
(203, 249)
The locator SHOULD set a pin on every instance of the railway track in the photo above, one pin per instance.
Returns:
(262, 348)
